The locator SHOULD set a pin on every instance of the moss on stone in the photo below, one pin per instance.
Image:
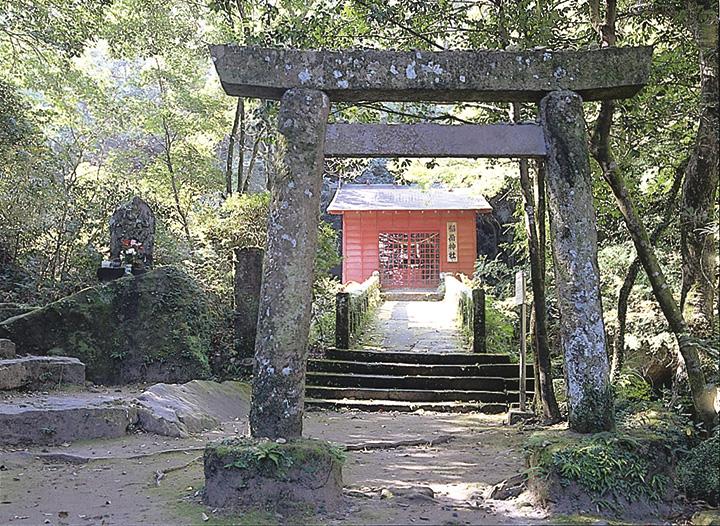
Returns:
(272, 458)
(609, 467)
(152, 327)
(242, 472)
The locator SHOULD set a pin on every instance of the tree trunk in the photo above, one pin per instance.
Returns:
(231, 150)
(702, 397)
(551, 411)
(618, 357)
(698, 247)
(278, 389)
(577, 277)
(253, 158)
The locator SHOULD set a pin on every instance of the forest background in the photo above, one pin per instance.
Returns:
(101, 100)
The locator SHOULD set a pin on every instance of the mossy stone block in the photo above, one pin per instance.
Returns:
(248, 472)
(150, 328)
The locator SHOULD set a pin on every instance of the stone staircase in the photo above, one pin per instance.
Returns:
(375, 380)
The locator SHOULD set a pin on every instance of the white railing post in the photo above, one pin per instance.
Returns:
(520, 300)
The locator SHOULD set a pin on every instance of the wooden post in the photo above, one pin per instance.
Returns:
(342, 320)
(479, 336)
(520, 300)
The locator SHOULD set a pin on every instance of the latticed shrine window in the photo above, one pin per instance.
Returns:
(409, 259)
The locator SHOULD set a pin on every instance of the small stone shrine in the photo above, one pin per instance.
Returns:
(133, 220)
(132, 240)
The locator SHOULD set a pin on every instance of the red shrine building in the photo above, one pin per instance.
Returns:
(408, 234)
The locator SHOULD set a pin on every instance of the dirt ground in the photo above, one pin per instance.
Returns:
(54, 485)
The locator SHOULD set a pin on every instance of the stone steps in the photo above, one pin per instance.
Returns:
(404, 406)
(377, 380)
(416, 358)
(509, 370)
(470, 383)
(412, 295)
(404, 395)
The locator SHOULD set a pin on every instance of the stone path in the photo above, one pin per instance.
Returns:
(420, 326)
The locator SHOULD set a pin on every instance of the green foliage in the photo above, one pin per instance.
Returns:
(698, 473)
(265, 454)
(327, 255)
(499, 320)
(631, 388)
(322, 328)
(276, 459)
(605, 465)
(62, 26)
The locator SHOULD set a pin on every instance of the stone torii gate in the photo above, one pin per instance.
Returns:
(306, 82)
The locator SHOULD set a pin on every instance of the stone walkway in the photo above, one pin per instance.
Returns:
(420, 326)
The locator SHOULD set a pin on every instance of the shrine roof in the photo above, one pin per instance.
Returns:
(388, 197)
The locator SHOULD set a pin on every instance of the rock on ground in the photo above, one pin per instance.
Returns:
(179, 410)
(40, 371)
(175, 410)
(7, 349)
(155, 327)
(58, 419)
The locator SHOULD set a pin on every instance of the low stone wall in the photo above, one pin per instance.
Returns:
(352, 307)
(470, 305)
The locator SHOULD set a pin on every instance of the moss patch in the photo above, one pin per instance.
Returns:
(625, 472)
(153, 327)
(300, 474)
(271, 458)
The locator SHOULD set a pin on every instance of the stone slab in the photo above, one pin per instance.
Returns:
(64, 418)
(7, 349)
(175, 410)
(40, 371)
(178, 410)
(515, 416)
(444, 76)
(434, 140)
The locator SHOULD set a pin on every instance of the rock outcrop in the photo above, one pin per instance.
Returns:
(150, 328)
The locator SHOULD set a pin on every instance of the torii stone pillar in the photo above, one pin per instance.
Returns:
(574, 236)
(288, 269)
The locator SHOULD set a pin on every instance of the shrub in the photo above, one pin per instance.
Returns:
(631, 389)
(609, 467)
(322, 329)
(698, 473)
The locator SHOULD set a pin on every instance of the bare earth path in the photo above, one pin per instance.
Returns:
(421, 326)
(122, 490)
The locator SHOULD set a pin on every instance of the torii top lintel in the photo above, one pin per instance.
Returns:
(443, 76)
